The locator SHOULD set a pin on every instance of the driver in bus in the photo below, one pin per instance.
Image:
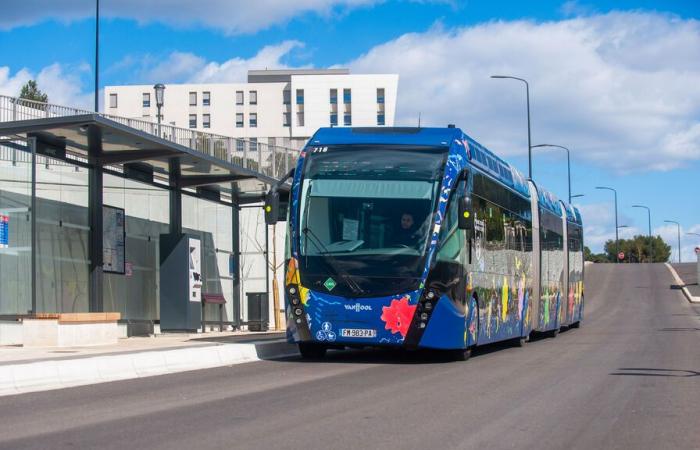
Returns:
(406, 234)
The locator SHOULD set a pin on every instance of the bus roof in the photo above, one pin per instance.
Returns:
(385, 135)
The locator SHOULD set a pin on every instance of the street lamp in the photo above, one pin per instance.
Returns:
(694, 234)
(651, 242)
(568, 162)
(160, 94)
(678, 225)
(578, 195)
(529, 141)
(617, 238)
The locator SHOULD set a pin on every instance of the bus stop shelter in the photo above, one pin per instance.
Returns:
(98, 148)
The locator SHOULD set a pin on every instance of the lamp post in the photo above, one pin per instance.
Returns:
(678, 226)
(651, 242)
(617, 238)
(694, 234)
(160, 94)
(97, 54)
(578, 195)
(568, 162)
(529, 141)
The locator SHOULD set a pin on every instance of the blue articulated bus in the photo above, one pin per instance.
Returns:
(421, 238)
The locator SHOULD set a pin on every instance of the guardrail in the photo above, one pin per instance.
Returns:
(273, 161)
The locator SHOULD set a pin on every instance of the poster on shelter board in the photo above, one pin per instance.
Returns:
(4, 231)
(113, 240)
(195, 257)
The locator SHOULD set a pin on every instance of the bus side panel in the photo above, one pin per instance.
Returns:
(500, 269)
(536, 266)
(566, 307)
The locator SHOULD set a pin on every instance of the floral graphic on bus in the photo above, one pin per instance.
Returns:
(398, 315)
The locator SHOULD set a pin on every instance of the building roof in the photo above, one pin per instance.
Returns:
(277, 76)
(93, 138)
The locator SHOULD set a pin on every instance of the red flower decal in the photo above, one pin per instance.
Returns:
(398, 315)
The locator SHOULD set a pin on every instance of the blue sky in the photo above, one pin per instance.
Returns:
(617, 82)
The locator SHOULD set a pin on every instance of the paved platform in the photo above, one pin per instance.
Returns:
(35, 369)
(688, 272)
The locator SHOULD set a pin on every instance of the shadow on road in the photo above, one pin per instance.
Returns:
(647, 372)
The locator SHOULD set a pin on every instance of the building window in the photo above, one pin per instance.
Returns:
(206, 98)
(300, 96)
(112, 100)
(300, 119)
(253, 144)
(286, 119)
(334, 96)
(239, 120)
(347, 120)
(347, 96)
(193, 120)
(193, 99)
(239, 97)
(287, 97)
(253, 117)
(334, 119)
(240, 145)
(253, 97)
(206, 121)
(380, 119)
(146, 100)
(380, 95)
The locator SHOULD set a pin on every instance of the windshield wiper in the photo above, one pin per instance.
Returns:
(335, 268)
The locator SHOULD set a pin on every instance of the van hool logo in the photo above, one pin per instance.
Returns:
(357, 307)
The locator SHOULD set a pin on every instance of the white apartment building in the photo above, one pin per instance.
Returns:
(276, 107)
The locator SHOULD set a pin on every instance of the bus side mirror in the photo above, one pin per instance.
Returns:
(466, 213)
(272, 206)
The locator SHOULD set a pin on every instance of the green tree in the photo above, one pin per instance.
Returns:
(588, 255)
(31, 91)
(637, 249)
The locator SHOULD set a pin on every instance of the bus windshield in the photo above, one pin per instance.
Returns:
(365, 216)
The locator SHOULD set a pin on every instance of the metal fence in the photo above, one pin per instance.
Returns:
(273, 161)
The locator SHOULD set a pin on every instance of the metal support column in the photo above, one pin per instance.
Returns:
(32, 145)
(95, 193)
(175, 197)
(236, 255)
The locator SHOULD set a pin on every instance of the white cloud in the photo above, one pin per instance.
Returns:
(669, 233)
(622, 90)
(184, 67)
(230, 16)
(62, 83)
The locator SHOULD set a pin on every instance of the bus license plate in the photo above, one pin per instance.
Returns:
(358, 333)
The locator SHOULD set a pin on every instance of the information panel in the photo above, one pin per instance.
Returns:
(195, 270)
(113, 240)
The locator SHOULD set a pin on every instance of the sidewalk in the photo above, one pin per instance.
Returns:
(37, 369)
(686, 277)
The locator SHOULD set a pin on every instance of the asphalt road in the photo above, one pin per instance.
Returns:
(629, 378)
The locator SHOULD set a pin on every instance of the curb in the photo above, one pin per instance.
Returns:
(57, 374)
(686, 292)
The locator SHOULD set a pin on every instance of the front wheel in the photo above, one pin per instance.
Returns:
(575, 325)
(462, 354)
(312, 351)
(554, 333)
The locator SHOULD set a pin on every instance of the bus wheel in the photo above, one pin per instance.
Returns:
(575, 325)
(462, 354)
(554, 333)
(521, 341)
(312, 351)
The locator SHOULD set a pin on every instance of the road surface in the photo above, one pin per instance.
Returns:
(629, 378)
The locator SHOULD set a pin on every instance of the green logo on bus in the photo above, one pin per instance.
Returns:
(329, 284)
